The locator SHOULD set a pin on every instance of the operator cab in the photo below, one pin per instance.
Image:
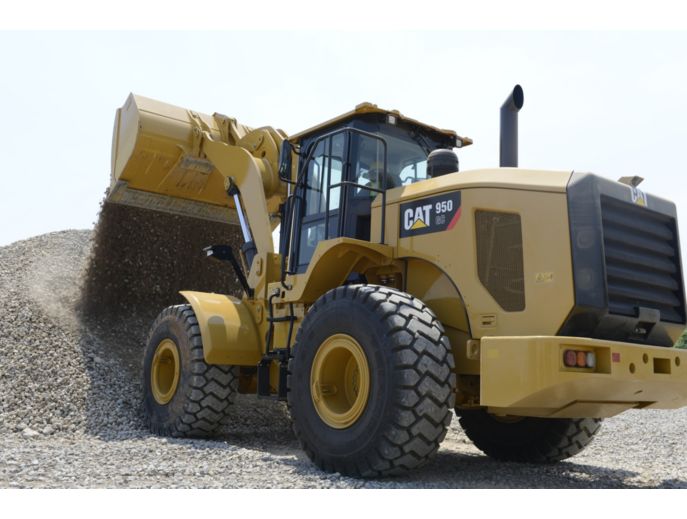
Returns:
(344, 164)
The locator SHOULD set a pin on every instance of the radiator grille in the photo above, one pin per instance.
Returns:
(499, 257)
(642, 261)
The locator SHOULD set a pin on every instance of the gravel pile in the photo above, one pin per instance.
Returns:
(70, 411)
(53, 370)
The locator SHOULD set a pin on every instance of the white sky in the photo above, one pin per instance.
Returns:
(613, 103)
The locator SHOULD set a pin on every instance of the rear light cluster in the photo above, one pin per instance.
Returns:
(579, 359)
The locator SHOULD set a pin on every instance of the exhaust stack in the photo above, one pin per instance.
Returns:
(509, 128)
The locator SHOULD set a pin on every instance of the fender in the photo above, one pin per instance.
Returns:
(227, 328)
(332, 261)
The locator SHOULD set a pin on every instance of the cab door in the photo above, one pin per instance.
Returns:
(343, 174)
(320, 202)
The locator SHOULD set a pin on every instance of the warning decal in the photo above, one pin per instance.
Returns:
(427, 215)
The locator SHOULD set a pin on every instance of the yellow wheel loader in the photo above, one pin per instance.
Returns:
(532, 304)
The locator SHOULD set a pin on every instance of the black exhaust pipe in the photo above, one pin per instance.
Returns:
(509, 128)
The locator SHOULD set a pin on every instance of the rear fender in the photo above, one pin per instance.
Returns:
(227, 328)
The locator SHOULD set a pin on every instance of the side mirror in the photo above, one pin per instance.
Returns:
(285, 161)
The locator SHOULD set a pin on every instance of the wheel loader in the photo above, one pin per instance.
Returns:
(532, 304)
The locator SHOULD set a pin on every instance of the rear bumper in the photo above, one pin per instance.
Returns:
(525, 376)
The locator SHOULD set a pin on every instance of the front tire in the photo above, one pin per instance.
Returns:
(527, 439)
(182, 394)
(371, 382)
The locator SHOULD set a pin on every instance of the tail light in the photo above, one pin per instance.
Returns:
(579, 359)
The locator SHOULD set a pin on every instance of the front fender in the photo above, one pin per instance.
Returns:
(227, 328)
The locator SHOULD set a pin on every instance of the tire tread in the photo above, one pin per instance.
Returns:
(552, 440)
(212, 388)
(425, 363)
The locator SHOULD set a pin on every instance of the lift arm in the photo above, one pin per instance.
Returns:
(239, 167)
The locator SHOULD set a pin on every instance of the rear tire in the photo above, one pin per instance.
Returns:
(182, 394)
(393, 349)
(533, 440)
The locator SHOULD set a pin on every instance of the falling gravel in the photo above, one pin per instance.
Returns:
(70, 413)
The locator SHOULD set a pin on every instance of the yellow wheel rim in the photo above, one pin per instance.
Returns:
(340, 381)
(164, 375)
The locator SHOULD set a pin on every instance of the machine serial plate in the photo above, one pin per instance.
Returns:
(427, 215)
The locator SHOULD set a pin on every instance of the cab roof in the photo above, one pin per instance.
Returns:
(370, 108)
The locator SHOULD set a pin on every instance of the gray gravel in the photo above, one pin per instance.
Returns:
(70, 413)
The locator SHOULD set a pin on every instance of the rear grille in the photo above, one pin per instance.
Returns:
(642, 261)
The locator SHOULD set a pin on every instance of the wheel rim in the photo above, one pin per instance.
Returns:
(164, 375)
(340, 381)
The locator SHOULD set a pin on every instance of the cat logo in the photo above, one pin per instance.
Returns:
(417, 218)
(639, 197)
(427, 215)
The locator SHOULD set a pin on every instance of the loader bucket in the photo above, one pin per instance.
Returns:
(156, 162)
(165, 204)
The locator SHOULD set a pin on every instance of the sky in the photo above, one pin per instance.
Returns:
(612, 103)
